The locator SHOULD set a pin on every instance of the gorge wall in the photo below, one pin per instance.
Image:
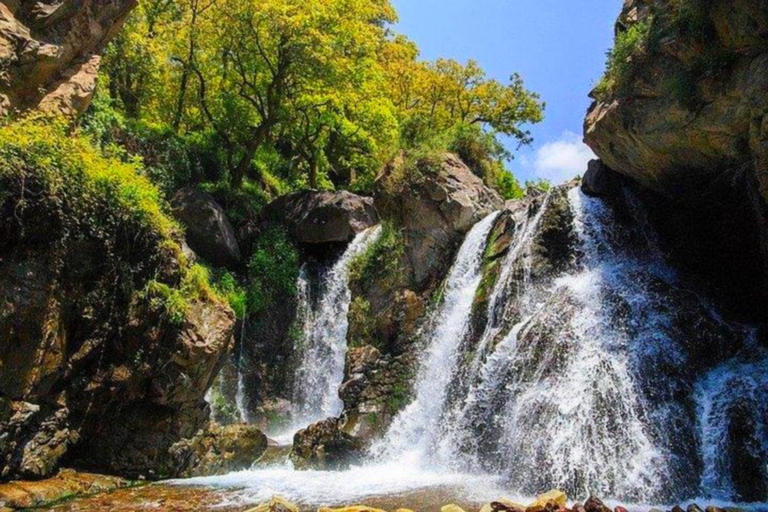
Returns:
(682, 112)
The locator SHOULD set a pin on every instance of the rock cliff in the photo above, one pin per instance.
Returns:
(683, 111)
(49, 51)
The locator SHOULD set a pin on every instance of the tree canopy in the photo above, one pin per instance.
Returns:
(311, 93)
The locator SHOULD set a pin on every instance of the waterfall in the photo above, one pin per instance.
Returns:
(731, 401)
(412, 429)
(578, 380)
(323, 342)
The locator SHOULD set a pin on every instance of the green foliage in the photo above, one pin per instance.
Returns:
(629, 46)
(398, 399)
(272, 270)
(236, 296)
(361, 323)
(382, 260)
(82, 202)
(288, 94)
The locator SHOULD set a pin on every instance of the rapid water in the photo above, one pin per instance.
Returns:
(607, 376)
(323, 344)
(412, 429)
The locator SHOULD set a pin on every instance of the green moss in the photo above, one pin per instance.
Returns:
(398, 399)
(360, 323)
(381, 262)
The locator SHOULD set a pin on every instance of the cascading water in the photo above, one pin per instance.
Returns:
(604, 375)
(412, 428)
(323, 344)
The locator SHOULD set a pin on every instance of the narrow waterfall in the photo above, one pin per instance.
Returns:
(323, 344)
(412, 429)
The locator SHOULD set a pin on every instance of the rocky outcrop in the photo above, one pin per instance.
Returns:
(49, 51)
(326, 445)
(107, 347)
(312, 217)
(219, 450)
(435, 207)
(688, 119)
(208, 231)
(674, 140)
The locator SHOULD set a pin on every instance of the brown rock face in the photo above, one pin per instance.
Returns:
(689, 120)
(436, 210)
(676, 141)
(322, 217)
(49, 51)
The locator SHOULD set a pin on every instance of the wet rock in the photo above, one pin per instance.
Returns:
(313, 217)
(276, 504)
(49, 52)
(66, 484)
(219, 450)
(600, 181)
(693, 508)
(619, 509)
(594, 504)
(503, 505)
(208, 231)
(712, 508)
(451, 508)
(559, 498)
(326, 446)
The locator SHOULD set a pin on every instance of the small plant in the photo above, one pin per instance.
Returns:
(630, 45)
(381, 260)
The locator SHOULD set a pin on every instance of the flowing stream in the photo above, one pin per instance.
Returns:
(605, 375)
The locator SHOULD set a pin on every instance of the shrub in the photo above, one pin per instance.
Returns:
(629, 46)
(272, 270)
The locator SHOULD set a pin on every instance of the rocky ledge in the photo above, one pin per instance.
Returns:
(49, 51)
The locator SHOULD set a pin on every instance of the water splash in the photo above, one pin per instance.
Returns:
(323, 344)
(411, 432)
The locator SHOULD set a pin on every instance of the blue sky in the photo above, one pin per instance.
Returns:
(558, 46)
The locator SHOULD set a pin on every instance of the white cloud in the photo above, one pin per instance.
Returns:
(563, 159)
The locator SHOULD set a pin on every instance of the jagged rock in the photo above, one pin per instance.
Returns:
(325, 445)
(435, 208)
(98, 379)
(49, 51)
(313, 217)
(219, 450)
(209, 232)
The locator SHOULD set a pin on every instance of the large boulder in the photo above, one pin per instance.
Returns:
(219, 450)
(313, 217)
(326, 446)
(436, 205)
(49, 51)
(209, 232)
